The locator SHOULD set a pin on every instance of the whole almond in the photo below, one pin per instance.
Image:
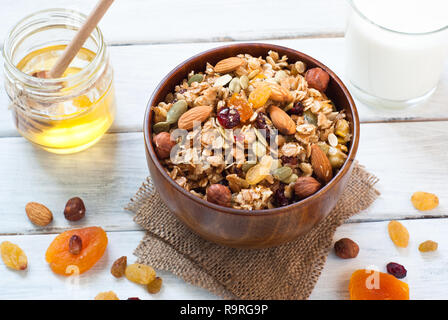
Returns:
(38, 214)
(200, 113)
(228, 65)
(306, 186)
(282, 121)
(279, 93)
(321, 165)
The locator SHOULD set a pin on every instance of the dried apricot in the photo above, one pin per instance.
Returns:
(375, 285)
(424, 201)
(259, 96)
(398, 234)
(94, 243)
(155, 285)
(12, 256)
(428, 245)
(242, 106)
(108, 295)
(140, 273)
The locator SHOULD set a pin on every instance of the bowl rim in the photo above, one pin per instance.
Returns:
(263, 212)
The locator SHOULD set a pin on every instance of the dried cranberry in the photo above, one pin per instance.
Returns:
(279, 196)
(224, 182)
(397, 270)
(297, 109)
(260, 121)
(134, 298)
(228, 118)
(181, 91)
(289, 160)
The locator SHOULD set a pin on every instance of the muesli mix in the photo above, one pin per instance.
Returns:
(284, 137)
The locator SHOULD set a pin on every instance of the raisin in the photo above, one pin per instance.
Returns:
(260, 121)
(119, 267)
(297, 109)
(75, 245)
(397, 270)
(13, 257)
(280, 198)
(398, 234)
(134, 298)
(140, 273)
(155, 285)
(228, 118)
(427, 246)
(292, 161)
(424, 201)
(260, 96)
(109, 295)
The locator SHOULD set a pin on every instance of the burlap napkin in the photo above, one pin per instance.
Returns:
(286, 272)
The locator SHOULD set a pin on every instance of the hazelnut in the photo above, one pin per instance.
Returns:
(317, 79)
(75, 245)
(306, 186)
(74, 209)
(219, 194)
(163, 144)
(346, 248)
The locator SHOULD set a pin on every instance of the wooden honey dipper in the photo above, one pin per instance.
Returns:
(77, 42)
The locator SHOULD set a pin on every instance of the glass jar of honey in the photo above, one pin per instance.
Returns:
(63, 115)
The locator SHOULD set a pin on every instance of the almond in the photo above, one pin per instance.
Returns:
(321, 165)
(306, 186)
(228, 65)
(200, 113)
(279, 93)
(38, 214)
(282, 121)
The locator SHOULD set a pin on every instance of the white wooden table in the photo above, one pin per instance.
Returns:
(406, 150)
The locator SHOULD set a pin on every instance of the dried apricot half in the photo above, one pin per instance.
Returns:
(398, 234)
(424, 201)
(375, 285)
(94, 243)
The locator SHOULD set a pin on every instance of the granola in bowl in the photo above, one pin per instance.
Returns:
(251, 132)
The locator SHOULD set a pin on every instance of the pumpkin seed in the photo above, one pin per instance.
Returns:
(223, 80)
(244, 82)
(234, 85)
(292, 178)
(310, 117)
(247, 165)
(195, 78)
(282, 173)
(176, 110)
(161, 127)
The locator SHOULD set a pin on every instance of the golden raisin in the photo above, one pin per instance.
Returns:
(108, 295)
(424, 201)
(13, 256)
(119, 267)
(428, 245)
(398, 234)
(242, 106)
(375, 285)
(260, 96)
(155, 285)
(140, 273)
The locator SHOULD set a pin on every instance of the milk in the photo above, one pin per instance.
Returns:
(396, 49)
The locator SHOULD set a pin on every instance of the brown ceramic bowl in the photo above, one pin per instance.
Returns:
(240, 228)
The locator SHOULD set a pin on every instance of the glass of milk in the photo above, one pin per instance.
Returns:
(396, 50)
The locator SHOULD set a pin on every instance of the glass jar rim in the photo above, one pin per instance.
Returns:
(18, 28)
(362, 15)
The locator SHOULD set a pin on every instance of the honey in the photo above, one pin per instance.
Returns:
(63, 115)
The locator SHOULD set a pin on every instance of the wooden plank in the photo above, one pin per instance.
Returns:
(405, 156)
(138, 70)
(142, 21)
(427, 275)
(38, 282)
